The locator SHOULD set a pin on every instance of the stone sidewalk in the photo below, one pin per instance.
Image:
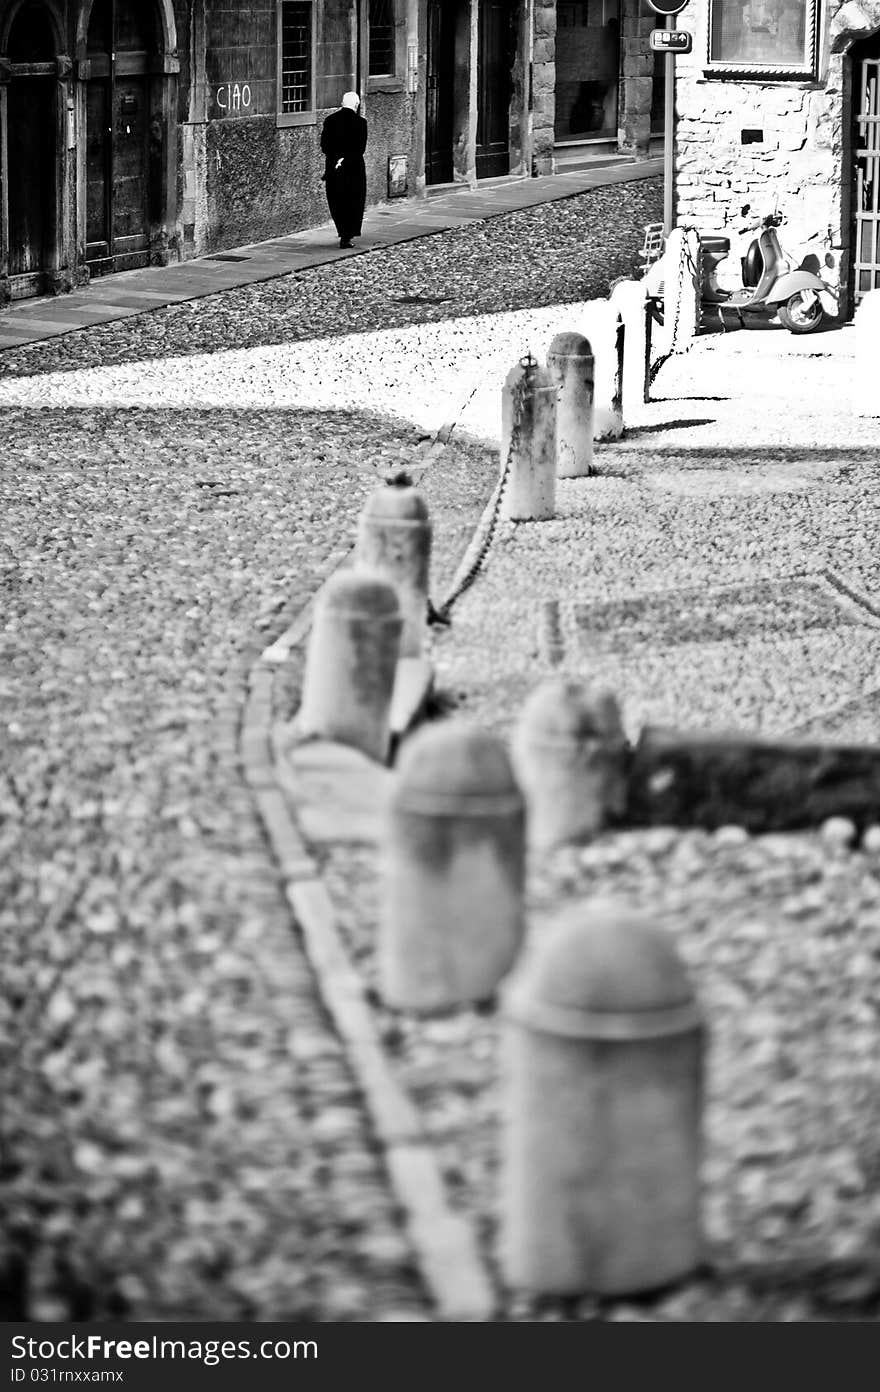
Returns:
(134, 292)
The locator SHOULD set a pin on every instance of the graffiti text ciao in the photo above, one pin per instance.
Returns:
(233, 96)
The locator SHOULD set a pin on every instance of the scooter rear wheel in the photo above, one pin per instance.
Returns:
(802, 313)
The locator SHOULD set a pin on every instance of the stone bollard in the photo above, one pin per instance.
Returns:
(866, 343)
(528, 415)
(394, 540)
(629, 298)
(603, 325)
(569, 756)
(602, 1065)
(351, 663)
(452, 917)
(570, 365)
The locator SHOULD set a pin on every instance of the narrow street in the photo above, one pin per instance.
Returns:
(181, 1134)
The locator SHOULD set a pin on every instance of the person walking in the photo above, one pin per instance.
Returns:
(343, 142)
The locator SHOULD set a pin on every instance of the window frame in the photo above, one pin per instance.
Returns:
(308, 117)
(386, 72)
(390, 81)
(794, 71)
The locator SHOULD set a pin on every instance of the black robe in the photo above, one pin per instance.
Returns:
(344, 136)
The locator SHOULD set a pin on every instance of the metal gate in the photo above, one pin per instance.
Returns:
(866, 267)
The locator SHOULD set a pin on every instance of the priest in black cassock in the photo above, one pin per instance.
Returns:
(343, 141)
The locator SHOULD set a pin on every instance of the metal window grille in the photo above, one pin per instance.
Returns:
(296, 56)
(867, 257)
(381, 42)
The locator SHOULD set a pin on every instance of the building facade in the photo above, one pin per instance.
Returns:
(141, 131)
(779, 102)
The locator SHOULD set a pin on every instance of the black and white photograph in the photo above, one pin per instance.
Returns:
(439, 676)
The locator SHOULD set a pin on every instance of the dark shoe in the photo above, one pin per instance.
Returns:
(344, 242)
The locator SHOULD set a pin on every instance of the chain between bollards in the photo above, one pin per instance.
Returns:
(685, 259)
(472, 567)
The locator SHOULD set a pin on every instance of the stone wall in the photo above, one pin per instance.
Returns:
(637, 86)
(543, 86)
(245, 177)
(742, 144)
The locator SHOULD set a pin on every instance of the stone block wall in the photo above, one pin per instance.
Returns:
(744, 143)
(543, 86)
(637, 85)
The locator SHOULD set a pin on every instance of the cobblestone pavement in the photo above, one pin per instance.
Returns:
(719, 571)
(182, 1138)
(703, 575)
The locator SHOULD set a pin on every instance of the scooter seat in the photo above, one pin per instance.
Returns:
(715, 245)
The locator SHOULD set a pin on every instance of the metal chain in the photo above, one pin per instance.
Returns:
(470, 568)
(685, 260)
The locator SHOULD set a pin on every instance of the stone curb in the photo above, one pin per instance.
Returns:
(444, 1242)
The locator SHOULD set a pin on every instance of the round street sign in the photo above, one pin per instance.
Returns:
(667, 7)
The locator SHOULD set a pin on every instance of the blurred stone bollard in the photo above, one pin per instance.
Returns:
(866, 343)
(570, 365)
(394, 540)
(602, 1070)
(452, 917)
(528, 420)
(628, 297)
(351, 663)
(603, 325)
(569, 756)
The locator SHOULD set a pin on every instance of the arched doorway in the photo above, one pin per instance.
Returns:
(865, 230)
(32, 151)
(125, 134)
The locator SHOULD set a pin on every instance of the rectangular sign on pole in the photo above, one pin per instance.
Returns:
(672, 40)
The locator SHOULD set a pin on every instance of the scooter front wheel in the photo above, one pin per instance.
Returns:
(802, 313)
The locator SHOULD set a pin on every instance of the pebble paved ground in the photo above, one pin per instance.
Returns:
(181, 1133)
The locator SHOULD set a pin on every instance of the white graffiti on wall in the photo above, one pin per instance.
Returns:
(233, 96)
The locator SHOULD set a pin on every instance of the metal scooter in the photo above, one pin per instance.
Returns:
(770, 284)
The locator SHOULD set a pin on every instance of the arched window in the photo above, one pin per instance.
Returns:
(31, 38)
(123, 28)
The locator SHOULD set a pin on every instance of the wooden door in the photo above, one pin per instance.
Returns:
(495, 57)
(118, 117)
(98, 182)
(440, 92)
(130, 166)
(31, 118)
(866, 150)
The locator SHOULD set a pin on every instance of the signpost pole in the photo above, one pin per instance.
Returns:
(668, 130)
